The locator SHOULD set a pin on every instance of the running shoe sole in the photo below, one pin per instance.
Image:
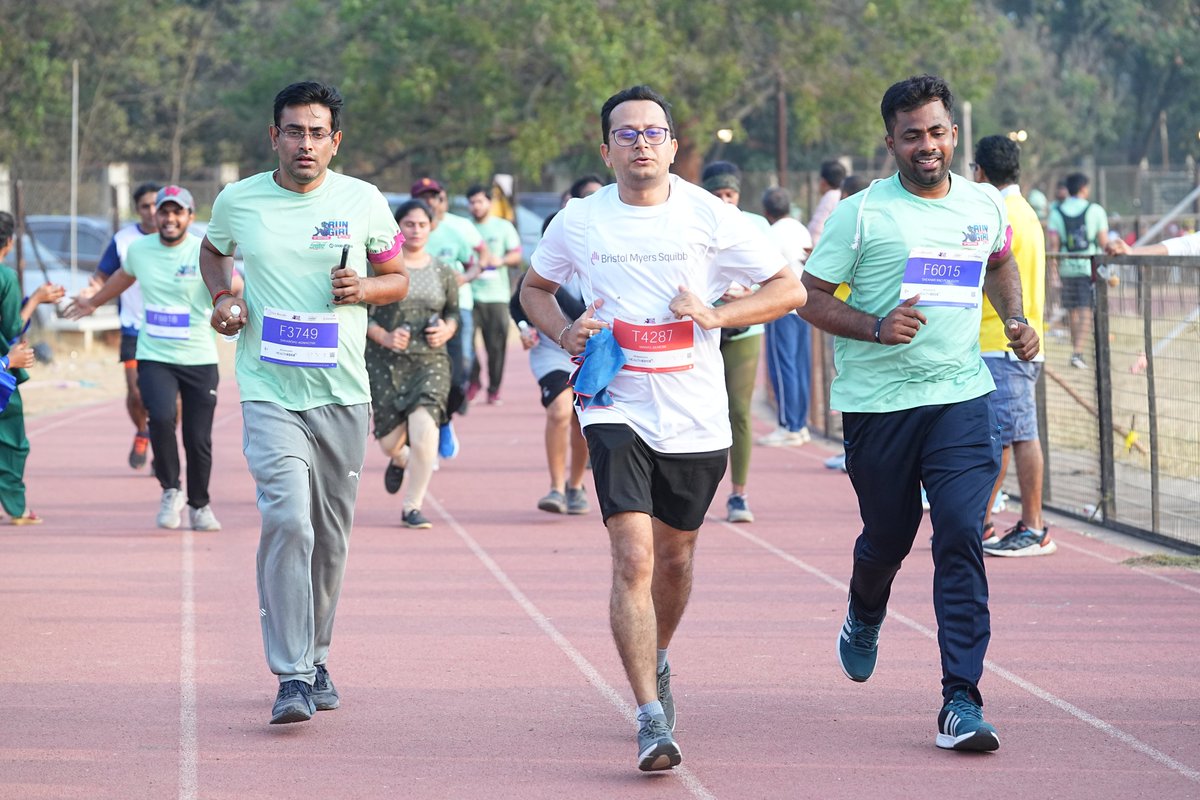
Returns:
(973, 742)
(663, 754)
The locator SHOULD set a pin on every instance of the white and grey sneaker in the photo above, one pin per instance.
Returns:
(203, 519)
(656, 746)
(172, 504)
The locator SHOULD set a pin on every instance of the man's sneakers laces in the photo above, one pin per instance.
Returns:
(1021, 541)
(324, 694)
(293, 703)
(413, 518)
(858, 647)
(782, 437)
(961, 726)
(170, 508)
(573, 502)
(656, 746)
(137, 453)
(555, 502)
(737, 509)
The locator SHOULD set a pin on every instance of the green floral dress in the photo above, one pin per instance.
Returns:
(420, 374)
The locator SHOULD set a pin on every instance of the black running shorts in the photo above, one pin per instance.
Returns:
(675, 488)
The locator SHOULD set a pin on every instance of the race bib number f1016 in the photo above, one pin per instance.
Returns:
(669, 347)
(943, 277)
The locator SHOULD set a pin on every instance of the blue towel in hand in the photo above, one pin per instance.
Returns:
(601, 360)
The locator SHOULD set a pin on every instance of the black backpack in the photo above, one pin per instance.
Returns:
(1077, 239)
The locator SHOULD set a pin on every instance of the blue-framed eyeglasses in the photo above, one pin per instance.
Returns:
(627, 137)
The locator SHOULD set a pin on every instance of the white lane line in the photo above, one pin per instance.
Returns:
(1083, 716)
(1120, 561)
(593, 676)
(60, 421)
(188, 783)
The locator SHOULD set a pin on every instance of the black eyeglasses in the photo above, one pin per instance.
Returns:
(627, 137)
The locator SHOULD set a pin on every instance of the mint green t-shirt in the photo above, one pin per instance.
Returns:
(1096, 219)
(942, 363)
(492, 286)
(454, 241)
(176, 327)
(290, 243)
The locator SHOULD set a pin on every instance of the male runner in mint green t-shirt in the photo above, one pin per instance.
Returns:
(918, 250)
(318, 248)
(492, 288)
(176, 354)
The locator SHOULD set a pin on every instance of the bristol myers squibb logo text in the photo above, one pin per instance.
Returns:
(637, 258)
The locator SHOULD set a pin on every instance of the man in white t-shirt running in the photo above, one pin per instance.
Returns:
(319, 247)
(652, 253)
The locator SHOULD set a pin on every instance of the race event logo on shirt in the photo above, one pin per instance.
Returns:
(186, 271)
(332, 229)
(975, 235)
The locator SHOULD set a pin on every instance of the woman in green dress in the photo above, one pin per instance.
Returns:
(409, 367)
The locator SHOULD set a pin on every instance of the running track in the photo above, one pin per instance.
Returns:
(474, 659)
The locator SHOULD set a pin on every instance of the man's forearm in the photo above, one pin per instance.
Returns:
(834, 316)
(543, 311)
(1002, 284)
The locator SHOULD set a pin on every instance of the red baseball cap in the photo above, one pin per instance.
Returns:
(424, 186)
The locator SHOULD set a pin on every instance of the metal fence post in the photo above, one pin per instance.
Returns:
(1146, 295)
(1104, 404)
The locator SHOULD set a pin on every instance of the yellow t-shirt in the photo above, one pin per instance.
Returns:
(1029, 249)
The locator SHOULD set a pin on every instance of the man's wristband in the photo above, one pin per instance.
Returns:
(564, 333)
(878, 326)
(221, 294)
(1019, 319)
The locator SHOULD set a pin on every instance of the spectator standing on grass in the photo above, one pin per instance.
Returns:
(1080, 227)
(16, 356)
(998, 162)
(330, 249)
(653, 253)
(788, 343)
(130, 310)
(493, 288)
(918, 250)
(176, 354)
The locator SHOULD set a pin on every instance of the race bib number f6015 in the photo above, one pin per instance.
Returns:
(669, 347)
(943, 277)
(299, 339)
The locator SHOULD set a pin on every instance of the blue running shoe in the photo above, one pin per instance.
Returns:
(961, 726)
(858, 647)
(447, 441)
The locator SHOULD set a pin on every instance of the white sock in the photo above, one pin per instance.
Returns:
(662, 659)
(651, 709)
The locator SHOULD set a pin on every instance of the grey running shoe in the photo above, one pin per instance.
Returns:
(554, 502)
(656, 747)
(203, 519)
(169, 511)
(324, 694)
(664, 695)
(293, 703)
(858, 647)
(415, 519)
(961, 726)
(577, 502)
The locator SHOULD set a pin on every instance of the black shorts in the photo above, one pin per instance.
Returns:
(553, 384)
(1077, 292)
(128, 348)
(675, 488)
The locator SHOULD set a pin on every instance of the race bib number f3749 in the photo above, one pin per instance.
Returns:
(943, 277)
(669, 347)
(299, 339)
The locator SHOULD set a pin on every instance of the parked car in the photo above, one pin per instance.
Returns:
(43, 266)
(529, 224)
(53, 233)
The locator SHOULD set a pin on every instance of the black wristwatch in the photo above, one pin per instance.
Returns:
(1021, 320)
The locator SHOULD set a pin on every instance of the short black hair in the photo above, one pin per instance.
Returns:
(477, 188)
(834, 173)
(576, 189)
(777, 202)
(1000, 158)
(149, 187)
(912, 93)
(412, 205)
(311, 93)
(1075, 183)
(853, 184)
(720, 168)
(8, 227)
(640, 92)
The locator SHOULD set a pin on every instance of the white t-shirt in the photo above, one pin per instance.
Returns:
(634, 258)
(1188, 245)
(794, 241)
(132, 306)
